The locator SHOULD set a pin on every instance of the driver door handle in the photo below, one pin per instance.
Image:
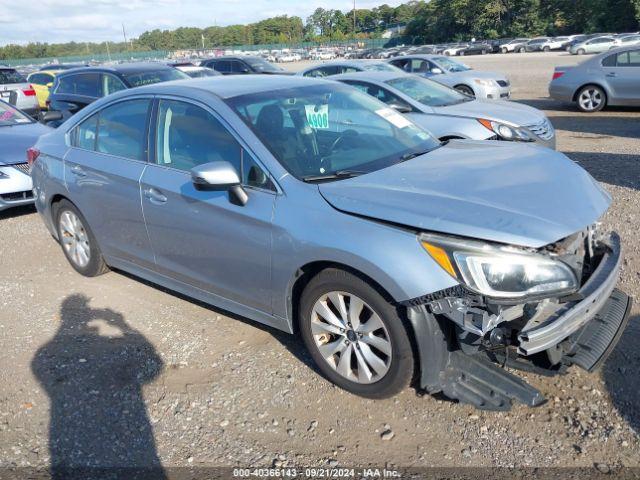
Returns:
(611, 74)
(155, 196)
(78, 171)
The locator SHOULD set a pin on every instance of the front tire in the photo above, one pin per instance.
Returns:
(505, 50)
(465, 89)
(591, 99)
(77, 241)
(581, 51)
(358, 339)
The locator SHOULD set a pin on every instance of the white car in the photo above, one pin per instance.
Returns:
(557, 43)
(454, 50)
(515, 45)
(627, 40)
(323, 55)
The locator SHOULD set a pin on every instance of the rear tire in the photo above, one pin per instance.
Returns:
(522, 50)
(581, 51)
(357, 338)
(77, 241)
(546, 49)
(504, 50)
(591, 98)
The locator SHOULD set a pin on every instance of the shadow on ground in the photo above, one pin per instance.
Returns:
(612, 168)
(621, 373)
(93, 371)
(17, 212)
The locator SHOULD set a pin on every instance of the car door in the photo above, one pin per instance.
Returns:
(624, 78)
(102, 172)
(201, 238)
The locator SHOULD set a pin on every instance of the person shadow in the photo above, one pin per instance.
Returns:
(93, 371)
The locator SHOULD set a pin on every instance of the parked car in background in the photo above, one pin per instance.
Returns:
(242, 65)
(611, 78)
(476, 48)
(497, 44)
(62, 66)
(449, 114)
(16, 90)
(454, 50)
(42, 81)
(576, 39)
(195, 71)
(536, 44)
(593, 45)
(556, 43)
(18, 132)
(346, 66)
(392, 255)
(515, 45)
(76, 88)
(627, 40)
(457, 75)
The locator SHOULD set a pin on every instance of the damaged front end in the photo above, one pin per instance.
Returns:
(539, 310)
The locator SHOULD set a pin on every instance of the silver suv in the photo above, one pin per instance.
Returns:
(15, 89)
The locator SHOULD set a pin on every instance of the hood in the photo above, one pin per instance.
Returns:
(16, 139)
(497, 191)
(510, 112)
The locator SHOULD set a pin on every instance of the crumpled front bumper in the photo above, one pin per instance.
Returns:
(574, 315)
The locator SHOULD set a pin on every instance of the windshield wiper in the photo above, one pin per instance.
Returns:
(338, 174)
(409, 156)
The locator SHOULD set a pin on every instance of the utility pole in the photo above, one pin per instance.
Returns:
(108, 52)
(124, 34)
(354, 18)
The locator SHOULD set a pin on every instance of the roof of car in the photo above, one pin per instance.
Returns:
(123, 68)
(373, 76)
(233, 57)
(233, 85)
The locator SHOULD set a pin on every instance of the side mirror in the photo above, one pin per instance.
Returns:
(400, 107)
(219, 176)
(50, 116)
(436, 70)
(49, 85)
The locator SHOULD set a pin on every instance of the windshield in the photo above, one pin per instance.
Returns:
(427, 92)
(261, 65)
(201, 72)
(451, 65)
(325, 130)
(9, 75)
(11, 116)
(154, 76)
(378, 67)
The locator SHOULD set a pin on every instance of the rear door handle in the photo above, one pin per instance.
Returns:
(155, 196)
(78, 171)
(611, 74)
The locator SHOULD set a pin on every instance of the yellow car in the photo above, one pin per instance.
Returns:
(41, 82)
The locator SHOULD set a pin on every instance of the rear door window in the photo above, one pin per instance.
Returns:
(628, 59)
(122, 129)
(111, 84)
(223, 66)
(84, 84)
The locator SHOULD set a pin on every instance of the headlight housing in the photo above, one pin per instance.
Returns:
(500, 271)
(507, 132)
(485, 82)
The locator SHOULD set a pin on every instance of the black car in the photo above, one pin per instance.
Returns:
(477, 48)
(242, 65)
(496, 45)
(76, 88)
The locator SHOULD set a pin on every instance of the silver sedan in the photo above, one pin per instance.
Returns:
(449, 114)
(611, 78)
(445, 70)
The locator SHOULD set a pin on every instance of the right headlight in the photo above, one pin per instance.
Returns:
(500, 271)
(506, 132)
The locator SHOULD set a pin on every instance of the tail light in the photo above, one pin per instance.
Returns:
(32, 156)
(29, 92)
(557, 75)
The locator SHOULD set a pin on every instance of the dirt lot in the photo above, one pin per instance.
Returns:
(112, 371)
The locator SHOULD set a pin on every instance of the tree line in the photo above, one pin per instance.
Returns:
(426, 22)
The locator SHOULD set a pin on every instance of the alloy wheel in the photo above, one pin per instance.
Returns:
(74, 238)
(590, 99)
(351, 337)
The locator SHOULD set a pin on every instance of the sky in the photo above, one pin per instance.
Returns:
(54, 21)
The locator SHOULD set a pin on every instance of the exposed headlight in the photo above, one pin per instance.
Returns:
(501, 272)
(485, 82)
(507, 132)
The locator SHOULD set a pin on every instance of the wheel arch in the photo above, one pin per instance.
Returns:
(305, 273)
(594, 84)
(455, 87)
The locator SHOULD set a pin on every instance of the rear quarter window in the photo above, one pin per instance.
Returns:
(9, 75)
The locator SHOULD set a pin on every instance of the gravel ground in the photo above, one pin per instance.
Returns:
(115, 372)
